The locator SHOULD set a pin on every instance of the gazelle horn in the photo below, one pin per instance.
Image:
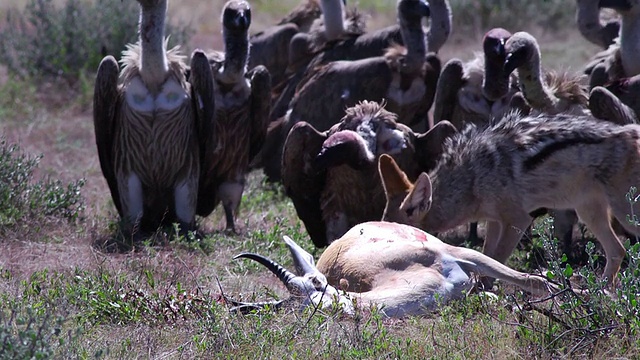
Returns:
(283, 274)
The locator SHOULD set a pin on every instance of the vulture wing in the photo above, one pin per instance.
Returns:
(202, 95)
(105, 100)
(303, 182)
(260, 108)
(450, 82)
(432, 68)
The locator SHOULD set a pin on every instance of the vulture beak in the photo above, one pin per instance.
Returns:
(425, 11)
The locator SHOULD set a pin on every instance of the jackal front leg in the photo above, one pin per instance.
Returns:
(503, 236)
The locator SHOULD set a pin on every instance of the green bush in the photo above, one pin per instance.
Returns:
(23, 201)
(46, 41)
(26, 334)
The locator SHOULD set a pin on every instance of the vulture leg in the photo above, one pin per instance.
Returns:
(105, 99)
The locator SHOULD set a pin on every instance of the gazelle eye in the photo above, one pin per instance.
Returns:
(409, 211)
(316, 283)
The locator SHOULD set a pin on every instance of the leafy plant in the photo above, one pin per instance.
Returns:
(50, 41)
(32, 203)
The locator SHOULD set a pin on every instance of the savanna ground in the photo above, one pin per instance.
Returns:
(65, 292)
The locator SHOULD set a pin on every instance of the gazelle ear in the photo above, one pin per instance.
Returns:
(418, 202)
(302, 260)
(394, 180)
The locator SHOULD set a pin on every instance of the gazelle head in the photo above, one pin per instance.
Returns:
(307, 286)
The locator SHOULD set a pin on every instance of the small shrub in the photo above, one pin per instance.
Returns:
(23, 201)
(47, 41)
(587, 312)
(26, 334)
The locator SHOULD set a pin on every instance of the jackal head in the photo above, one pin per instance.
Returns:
(407, 203)
(417, 205)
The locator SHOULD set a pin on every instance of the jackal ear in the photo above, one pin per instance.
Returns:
(429, 146)
(418, 202)
(394, 180)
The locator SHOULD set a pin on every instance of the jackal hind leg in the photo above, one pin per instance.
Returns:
(595, 215)
(622, 211)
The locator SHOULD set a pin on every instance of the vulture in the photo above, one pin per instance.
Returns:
(356, 44)
(405, 77)
(479, 90)
(332, 176)
(620, 60)
(550, 93)
(592, 28)
(147, 120)
(242, 103)
(617, 101)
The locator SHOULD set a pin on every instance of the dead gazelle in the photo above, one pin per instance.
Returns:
(397, 268)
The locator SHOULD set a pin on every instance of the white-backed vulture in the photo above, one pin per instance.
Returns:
(332, 29)
(479, 90)
(332, 176)
(242, 103)
(146, 126)
(621, 59)
(556, 92)
(592, 27)
(405, 77)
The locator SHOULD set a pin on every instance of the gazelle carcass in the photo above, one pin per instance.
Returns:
(397, 268)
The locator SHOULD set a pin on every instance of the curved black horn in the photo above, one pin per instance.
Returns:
(283, 274)
(246, 307)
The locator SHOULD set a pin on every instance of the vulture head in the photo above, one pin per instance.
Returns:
(521, 48)
(413, 10)
(236, 16)
(365, 132)
(496, 81)
(619, 5)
